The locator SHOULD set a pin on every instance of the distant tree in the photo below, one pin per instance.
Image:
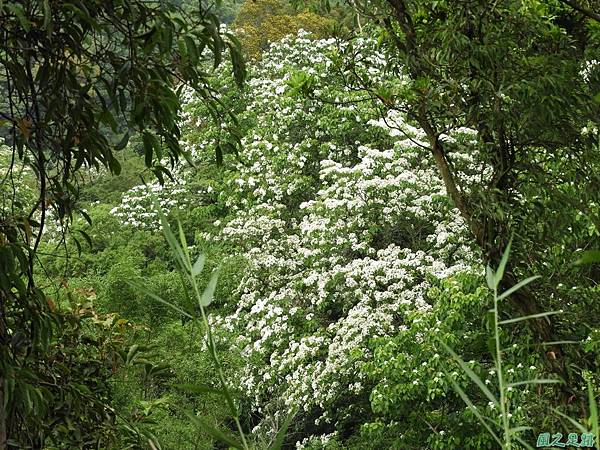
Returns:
(79, 77)
(261, 22)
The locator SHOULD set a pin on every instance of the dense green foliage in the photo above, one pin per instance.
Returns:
(353, 195)
(78, 78)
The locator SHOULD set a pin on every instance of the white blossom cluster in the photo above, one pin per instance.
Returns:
(137, 207)
(17, 181)
(343, 220)
(589, 68)
(341, 216)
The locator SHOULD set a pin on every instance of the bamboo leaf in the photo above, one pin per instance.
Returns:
(589, 257)
(184, 246)
(171, 240)
(152, 295)
(593, 412)
(198, 389)
(198, 265)
(471, 375)
(214, 432)
(280, 438)
(519, 429)
(473, 408)
(209, 292)
(500, 271)
(536, 381)
(523, 443)
(489, 277)
(573, 422)
(516, 287)
(529, 317)
(18, 11)
(131, 354)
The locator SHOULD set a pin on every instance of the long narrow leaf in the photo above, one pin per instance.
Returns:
(209, 292)
(523, 443)
(588, 257)
(280, 438)
(529, 317)
(198, 389)
(559, 343)
(150, 294)
(593, 412)
(184, 246)
(536, 381)
(500, 271)
(489, 277)
(516, 287)
(471, 375)
(214, 432)
(473, 408)
(171, 240)
(573, 422)
(544, 344)
(519, 430)
(198, 265)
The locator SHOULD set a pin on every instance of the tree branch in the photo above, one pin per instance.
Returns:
(586, 12)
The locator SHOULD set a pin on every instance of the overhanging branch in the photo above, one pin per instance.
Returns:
(586, 12)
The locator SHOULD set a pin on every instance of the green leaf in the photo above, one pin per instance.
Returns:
(209, 292)
(472, 407)
(148, 148)
(472, 375)
(123, 142)
(529, 317)
(17, 10)
(219, 154)
(198, 265)
(517, 286)
(573, 422)
(86, 216)
(589, 257)
(536, 381)
(593, 412)
(191, 49)
(131, 354)
(184, 246)
(490, 277)
(214, 432)
(280, 438)
(500, 271)
(523, 443)
(47, 25)
(519, 430)
(150, 294)
(86, 236)
(114, 165)
(78, 245)
(238, 65)
(170, 237)
(198, 389)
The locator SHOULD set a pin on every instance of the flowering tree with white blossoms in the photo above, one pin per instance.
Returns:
(355, 255)
(344, 227)
(373, 178)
